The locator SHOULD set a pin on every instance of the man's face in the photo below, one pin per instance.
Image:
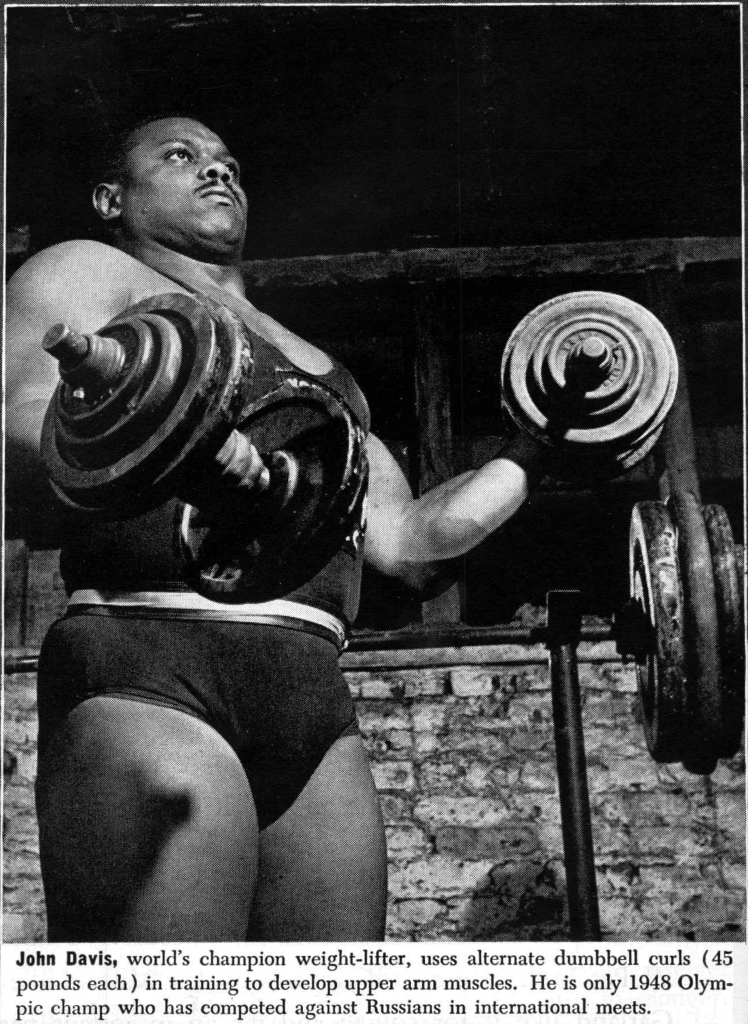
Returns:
(181, 189)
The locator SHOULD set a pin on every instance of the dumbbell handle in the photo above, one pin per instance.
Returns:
(95, 360)
(277, 480)
(85, 360)
(589, 361)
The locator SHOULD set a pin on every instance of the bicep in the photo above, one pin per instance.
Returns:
(389, 498)
(49, 289)
(31, 375)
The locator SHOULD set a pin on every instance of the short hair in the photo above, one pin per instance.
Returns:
(112, 163)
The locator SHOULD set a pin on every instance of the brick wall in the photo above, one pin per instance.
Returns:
(23, 900)
(463, 757)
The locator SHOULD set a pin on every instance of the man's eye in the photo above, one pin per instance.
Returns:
(180, 152)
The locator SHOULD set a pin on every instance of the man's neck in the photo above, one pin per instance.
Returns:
(213, 275)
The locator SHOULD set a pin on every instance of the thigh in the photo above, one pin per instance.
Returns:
(323, 869)
(147, 827)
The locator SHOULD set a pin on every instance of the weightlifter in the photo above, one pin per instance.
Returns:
(201, 776)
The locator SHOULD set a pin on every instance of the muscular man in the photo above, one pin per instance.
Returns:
(200, 773)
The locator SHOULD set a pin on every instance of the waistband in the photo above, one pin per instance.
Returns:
(189, 605)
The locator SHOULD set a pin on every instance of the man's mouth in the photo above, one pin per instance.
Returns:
(218, 192)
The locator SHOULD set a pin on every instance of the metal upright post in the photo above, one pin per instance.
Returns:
(562, 636)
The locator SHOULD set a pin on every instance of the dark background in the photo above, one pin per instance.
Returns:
(377, 128)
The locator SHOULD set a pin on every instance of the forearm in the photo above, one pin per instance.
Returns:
(455, 517)
(419, 540)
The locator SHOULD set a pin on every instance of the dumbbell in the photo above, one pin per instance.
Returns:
(592, 376)
(147, 404)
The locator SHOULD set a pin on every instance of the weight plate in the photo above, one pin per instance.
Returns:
(729, 597)
(120, 450)
(703, 668)
(249, 555)
(93, 422)
(146, 405)
(593, 375)
(655, 587)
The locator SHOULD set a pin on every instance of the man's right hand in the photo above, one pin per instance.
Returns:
(241, 469)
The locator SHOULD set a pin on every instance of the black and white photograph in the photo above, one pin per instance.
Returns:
(374, 478)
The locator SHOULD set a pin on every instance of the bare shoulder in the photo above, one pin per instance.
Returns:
(77, 257)
(81, 281)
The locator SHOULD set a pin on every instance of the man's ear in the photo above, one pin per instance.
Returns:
(107, 200)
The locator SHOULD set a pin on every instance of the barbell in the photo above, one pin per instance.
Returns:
(144, 407)
(683, 626)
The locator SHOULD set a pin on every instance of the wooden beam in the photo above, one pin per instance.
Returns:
(675, 451)
(457, 635)
(628, 256)
(384, 659)
(432, 391)
(433, 402)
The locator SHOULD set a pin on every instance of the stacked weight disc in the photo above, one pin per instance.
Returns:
(592, 375)
(687, 633)
(146, 404)
(137, 399)
(270, 549)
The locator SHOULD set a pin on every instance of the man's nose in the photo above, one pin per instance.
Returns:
(217, 170)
